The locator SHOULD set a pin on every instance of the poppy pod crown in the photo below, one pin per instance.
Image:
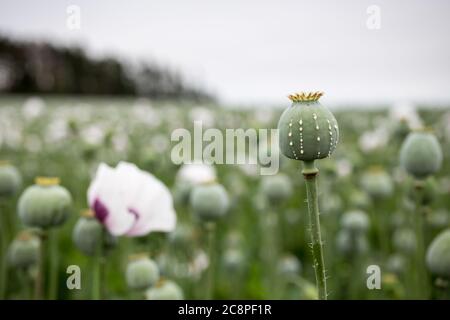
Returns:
(307, 130)
(47, 181)
(4, 163)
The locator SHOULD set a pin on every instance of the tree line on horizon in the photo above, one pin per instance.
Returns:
(40, 67)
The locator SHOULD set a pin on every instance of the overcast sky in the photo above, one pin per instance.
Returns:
(259, 51)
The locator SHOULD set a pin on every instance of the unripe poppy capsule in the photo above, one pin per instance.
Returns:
(307, 130)
(438, 255)
(165, 290)
(24, 250)
(209, 201)
(276, 188)
(141, 272)
(45, 204)
(10, 179)
(421, 154)
(89, 234)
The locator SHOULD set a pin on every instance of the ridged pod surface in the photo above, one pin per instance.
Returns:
(209, 201)
(141, 273)
(88, 234)
(45, 204)
(438, 255)
(24, 251)
(307, 130)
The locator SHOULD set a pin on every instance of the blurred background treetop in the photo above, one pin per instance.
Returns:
(42, 68)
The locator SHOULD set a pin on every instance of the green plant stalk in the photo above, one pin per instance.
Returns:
(423, 289)
(97, 270)
(381, 231)
(3, 248)
(310, 173)
(269, 250)
(210, 228)
(40, 276)
(24, 283)
(53, 264)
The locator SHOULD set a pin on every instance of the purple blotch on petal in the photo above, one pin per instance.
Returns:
(134, 212)
(101, 211)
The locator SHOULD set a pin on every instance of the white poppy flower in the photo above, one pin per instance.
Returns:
(131, 202)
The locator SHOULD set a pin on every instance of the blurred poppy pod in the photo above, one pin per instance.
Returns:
(404, 240)
(350, 244)
(165, 290)
(141, 272)
(88, 234)
(307, 130)
(377, 183)
(289, 265)
(189, 176)
(10, 179)
(421, 154)
(24, 250)
(233, 259)
(355, 221)
(438, 255)
(276, 188)
(45, 204)
(209, 201)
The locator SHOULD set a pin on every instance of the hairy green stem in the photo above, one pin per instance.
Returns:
(310, 173)
(210, 229)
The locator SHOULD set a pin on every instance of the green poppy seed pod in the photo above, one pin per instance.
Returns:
(396, 263)
(355, 221)
(276, 188)
(438, 255)
(307, 130)
(421, 154)
(332, 204)
(45, 204)
(209, 201)
(404, 240)
(233, 259)
(88, 234)
(401, 130)
(24, 251)
(289, 265)
(165, 290)
(141, 272)
(351, 244)
(377, 183)
(359, 199)
(438, 219)
(10, 179)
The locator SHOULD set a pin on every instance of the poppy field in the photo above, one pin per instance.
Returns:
(93, 206)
